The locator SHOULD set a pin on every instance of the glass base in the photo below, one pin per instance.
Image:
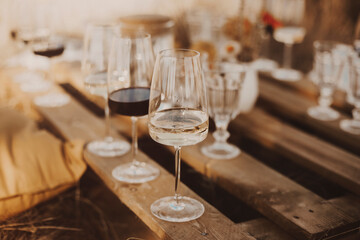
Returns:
(264, 65)
(169, 210)
(221, 151)
(135, 173)
(323, 113)
(52, 100)
(350, 126)
(287, 74)
(108, 147)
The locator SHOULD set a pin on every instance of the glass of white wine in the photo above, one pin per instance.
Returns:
(97, 43)
(290, 13)
(178, 117)
(223, 82)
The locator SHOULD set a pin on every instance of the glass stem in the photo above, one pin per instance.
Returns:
(287, 55)
(325, 98)
(177, 172)
(107, 120)
(221, 135)
(134, 143)
(356, 115)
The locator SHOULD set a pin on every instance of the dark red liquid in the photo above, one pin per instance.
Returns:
(130, 101)
(13, 34)
(50, 50)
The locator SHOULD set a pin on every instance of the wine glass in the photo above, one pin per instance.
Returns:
(131, 65)
(50, 47)
(178, 117)
(223, 81)
(353, 125)
(328, 66)
(290, 13)
(97, 42)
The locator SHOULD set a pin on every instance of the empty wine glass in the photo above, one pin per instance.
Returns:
(328, 68)
(96, 51)
(178, 117)
(290, 13)
(353, 125)
(131, 65)
(223, 82)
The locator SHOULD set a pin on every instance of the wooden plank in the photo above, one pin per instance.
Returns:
(308, 89)
(264, 230)
(204, 168)
(291, 106)
(324, 158)
(278, 198)
(74, 122)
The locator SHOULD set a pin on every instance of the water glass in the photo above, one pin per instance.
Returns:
(223, 82)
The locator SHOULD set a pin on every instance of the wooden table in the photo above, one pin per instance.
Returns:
(296, 178)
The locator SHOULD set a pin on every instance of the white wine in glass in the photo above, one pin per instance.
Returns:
(178, 117)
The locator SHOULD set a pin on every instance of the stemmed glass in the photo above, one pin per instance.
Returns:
(131, 65)
(178, 117)
(50, 47)
(223, 82)
(290, 13)
(327, 67)
(94, 66)
(353, 125)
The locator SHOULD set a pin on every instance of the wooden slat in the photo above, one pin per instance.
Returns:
(264, 230)
(293, 107)
(73, 122)
(278, 198)
(324, 158)
(323, 219)
(308, 89)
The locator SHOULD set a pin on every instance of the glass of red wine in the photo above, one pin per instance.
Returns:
(94, 66)
(130, 70)
(51, 47)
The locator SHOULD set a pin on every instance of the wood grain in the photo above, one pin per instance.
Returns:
(292, 107)
(324, 158)
(74, 122)
(280, 199)
(302, 227)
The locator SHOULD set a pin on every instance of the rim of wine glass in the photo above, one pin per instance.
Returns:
(325, 45)
(132, 35)
(242, 67)
(99, 24)
(163, 52)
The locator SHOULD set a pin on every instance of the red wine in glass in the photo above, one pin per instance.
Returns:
(49, 50)
(133, 101)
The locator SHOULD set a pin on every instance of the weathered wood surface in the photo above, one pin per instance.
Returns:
(301, 226)
(291, 106)
(309, 90)
(298, 210)
(324, 158)
(73, 122)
